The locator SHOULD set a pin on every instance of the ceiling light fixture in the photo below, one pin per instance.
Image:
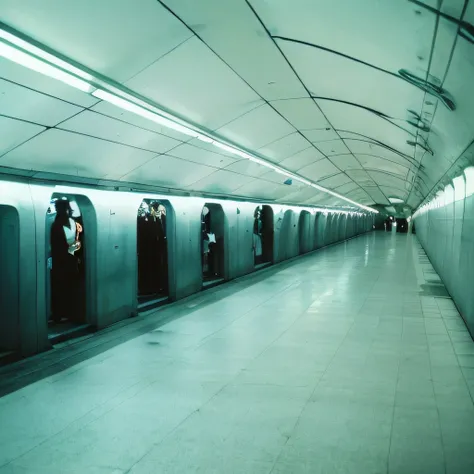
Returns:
(137, 109)
(28, 55)
(395, 200)
(30, 61)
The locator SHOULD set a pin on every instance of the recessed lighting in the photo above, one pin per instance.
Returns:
(395, 200)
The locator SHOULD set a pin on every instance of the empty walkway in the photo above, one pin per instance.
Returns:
(350, 360)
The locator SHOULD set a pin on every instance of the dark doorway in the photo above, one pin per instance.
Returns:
(152, 253)
(402, 226)
(70, 231)
(212, 243)
(263, 236)
(9, 280)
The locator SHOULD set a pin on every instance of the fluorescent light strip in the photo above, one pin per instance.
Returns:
(41, 54)
(34, 58)
(31, 62)
(148, 114)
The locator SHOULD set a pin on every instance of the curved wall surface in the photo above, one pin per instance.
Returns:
(445, 228)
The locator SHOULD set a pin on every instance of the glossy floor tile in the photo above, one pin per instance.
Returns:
(342, 361)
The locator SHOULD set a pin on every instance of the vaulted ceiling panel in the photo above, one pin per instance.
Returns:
(112, 111)
(302, 113)
(300, 195)
(274, 177)
(122, 36)
(36, 81)
(257, 128)
(302, 159)
(201, 156)
(378, 150)
(13, 133)
(100, 126)
(78, 155)
(232, 30)
(285, 147)
(371, 162)
(331, 76)
(317, 135)
(23, 103)
(387, 179)
(248, 168)
(187, 88)
(366, 123)
(166, 170)
(361, 177)
(381, 33)
(319, 170)
(345, 188)
(221, 182)
(377, 195)
(335, 181)
(333, 147)
(394, 192)
(346, 162)
(349, 70)
(261, 189)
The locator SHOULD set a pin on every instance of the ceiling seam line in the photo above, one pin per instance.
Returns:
(108, 140)
(136, 126)
(276, 140)
(377, 113)
(433, 44)
(337, 53)
(41, 132)
(30, 122)
(451, 55)
(448, 66)
(43, 93)
(345, 144)
(296, 74)
(243, 114)
(20, 144)
(379, 143)
(238, 75)
(158, 59)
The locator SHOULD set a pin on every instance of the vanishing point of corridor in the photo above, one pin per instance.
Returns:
(350, 360)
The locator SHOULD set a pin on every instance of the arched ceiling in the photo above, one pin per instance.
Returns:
(369, 98)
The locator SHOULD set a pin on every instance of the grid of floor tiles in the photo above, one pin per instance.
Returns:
(340, 362)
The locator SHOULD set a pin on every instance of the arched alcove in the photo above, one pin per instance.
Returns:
(263, 235)
(154, 219)
(9, 279)
(71, 284)
(212, 243)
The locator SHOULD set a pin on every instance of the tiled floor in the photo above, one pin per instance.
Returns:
(340, 362)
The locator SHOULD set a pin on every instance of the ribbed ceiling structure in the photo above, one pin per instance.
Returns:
(370, 98)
